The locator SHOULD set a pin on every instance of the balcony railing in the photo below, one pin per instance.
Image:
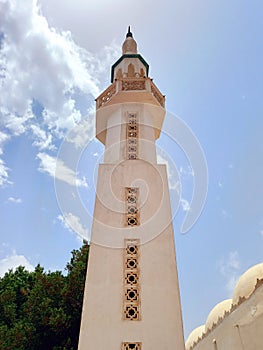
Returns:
(157, 94)
(130, 84)
(106, 95)
(133, 84)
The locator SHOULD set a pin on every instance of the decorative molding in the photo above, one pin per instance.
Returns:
(133, 84)
(131, 290)
(259, 283)
(132, 212)
(131, 346)
(157, 94)
(106, 95)
(132, 130)
(129, 56)
(130, 84)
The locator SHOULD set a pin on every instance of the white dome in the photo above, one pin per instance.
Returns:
(247, 282)
(194, 335)
(218, 311)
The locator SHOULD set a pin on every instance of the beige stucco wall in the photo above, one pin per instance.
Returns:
(115, 123)
(160, 326)
(123, 65)
(103, 325)
(240, 330)
(126, 101)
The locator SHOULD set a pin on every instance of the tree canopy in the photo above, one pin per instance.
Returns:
(42, 310)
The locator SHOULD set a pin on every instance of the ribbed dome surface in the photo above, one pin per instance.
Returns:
(218, 311)
(193, 336)
(246, 283)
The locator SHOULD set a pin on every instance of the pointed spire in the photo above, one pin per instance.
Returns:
(129, 46)
(129, 34)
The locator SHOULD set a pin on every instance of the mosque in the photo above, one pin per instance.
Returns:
(237, 323)
(132, 298)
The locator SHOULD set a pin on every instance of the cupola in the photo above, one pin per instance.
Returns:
(129, 46)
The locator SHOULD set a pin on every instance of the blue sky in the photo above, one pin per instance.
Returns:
(205, 56)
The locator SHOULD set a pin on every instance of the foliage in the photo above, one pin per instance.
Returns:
(41, 310)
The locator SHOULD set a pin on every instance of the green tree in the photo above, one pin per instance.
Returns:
(42, 310)
(74, 291)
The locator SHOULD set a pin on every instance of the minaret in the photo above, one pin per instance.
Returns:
(131, 298)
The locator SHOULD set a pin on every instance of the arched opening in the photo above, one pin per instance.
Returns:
(131, 70)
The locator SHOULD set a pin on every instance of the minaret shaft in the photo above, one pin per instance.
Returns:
(132, 298)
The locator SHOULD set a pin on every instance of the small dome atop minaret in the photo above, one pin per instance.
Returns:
(129, 46)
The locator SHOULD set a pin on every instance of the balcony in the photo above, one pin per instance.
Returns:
(130, 84)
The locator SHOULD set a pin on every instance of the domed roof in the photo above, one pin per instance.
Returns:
(129, 46)
(194, 335)
(247, 282)
(218, 311)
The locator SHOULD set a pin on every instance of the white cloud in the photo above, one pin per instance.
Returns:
(3, 168)
(3, 138)
(63, 119)
(56, 168)
(185, 204)
(230, 268)
(16, 123)
(12, 262)
(43, 140)
(173, 182)
(73, 224)
(82, 133)
(42, 65)
(186, 172)
(3, 174)
(15, 200)
(39, 62)
(233, 260)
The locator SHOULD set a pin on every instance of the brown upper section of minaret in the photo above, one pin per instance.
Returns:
(130, 81)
